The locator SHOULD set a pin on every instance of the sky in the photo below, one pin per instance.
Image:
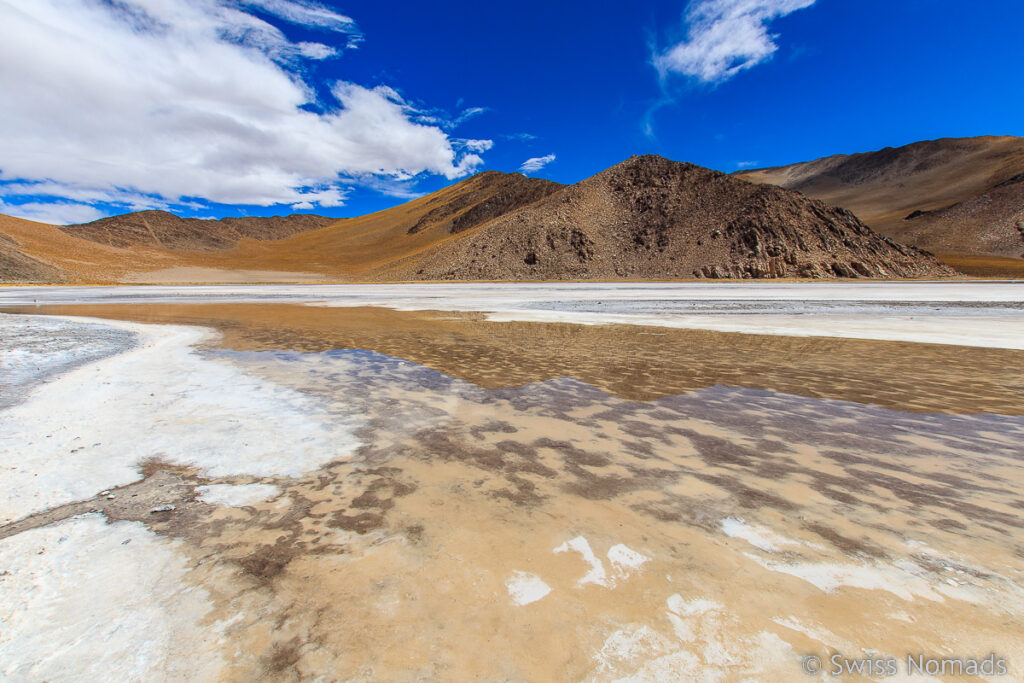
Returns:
(213, 108)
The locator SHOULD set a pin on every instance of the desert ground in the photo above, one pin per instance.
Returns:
(624, 481)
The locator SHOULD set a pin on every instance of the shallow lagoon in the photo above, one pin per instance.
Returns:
(446, 497)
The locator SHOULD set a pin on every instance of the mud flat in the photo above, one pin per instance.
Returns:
(282, 491)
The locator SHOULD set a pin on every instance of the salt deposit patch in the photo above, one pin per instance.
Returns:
(818, 633)
(236, 496)
(525, 588)
(757, 536)
(759, 658)
(86, 600)
(90, 429)
(624, 561)
(597, 573)
(692, 608)
(829, 577)
(631, 644)
(705, 647)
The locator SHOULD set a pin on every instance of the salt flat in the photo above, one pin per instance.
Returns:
(979, 313)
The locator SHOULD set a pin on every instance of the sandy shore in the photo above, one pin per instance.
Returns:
(500, 500)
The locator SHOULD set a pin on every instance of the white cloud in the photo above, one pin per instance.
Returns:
(400, 189)
(477, 145)
(470, 113)
(725, 37)
(173, 100)
(316, 50)
(746, 164)
(55, 213)
(536, 163)
(305, 13)
(132, 200)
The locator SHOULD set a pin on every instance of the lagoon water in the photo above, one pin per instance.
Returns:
(280, 490)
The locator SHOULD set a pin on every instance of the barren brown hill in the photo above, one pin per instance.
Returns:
(159, 247)
(369, 246)
(16, 266)
(955, 196)
(164, 230)
(38, 252)
(991, 223)
(652, 218)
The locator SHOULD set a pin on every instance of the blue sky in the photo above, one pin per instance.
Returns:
(260, 107)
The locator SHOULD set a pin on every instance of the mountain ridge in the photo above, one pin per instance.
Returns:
(645, 218)
(958, 197)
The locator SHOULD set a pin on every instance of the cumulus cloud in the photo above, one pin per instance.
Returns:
(156, 101)
(536, 163)
(725, 37)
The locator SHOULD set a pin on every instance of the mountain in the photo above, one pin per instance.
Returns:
(652, 218)
(646, 218)
(959, 197)
(368, 246)
(165, 230)
(16, 266)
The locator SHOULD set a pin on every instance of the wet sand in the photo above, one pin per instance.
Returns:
(528, 501)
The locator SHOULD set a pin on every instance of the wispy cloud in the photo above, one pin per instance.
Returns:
(536, 163)
(725, 37)
(134, 201)
(746, 164)
(54, 213)
(521, 137)
(476, 145)
(470, 113)
(399, 189)
(197, 100)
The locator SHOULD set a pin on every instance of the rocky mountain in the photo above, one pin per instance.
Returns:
(646, 218)
(955, 196)
(652, 218)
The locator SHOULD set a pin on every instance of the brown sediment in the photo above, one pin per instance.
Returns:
(632, 362)
(982, 265)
